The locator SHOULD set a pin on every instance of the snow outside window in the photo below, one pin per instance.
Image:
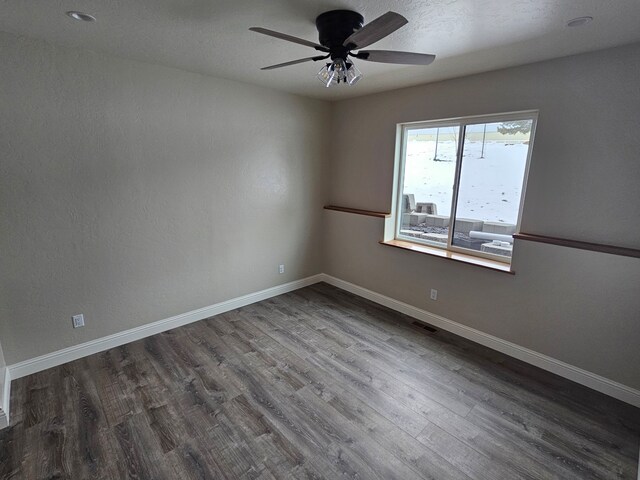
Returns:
(463, 181)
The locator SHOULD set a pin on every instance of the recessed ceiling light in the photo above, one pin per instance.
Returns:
(579, 22)
(83, 17)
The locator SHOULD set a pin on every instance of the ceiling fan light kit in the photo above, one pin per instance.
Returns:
(339, 71)
(341, 32)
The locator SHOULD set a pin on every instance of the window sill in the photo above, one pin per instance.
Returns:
(458, 257)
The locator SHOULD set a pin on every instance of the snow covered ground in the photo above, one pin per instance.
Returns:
(490, 187)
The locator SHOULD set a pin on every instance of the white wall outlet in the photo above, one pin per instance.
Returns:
(78, 320)
(434, 294)
(281, 269)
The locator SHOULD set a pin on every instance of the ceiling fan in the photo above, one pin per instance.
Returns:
(342, 32)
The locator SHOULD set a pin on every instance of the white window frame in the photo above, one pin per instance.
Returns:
(462, 123)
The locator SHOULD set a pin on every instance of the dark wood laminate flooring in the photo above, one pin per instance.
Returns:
(317, 383)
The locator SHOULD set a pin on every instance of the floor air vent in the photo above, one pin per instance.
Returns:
(424, 326)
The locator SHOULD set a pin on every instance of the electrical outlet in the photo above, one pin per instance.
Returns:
(434, 294)
(281, 269)
(78, 320)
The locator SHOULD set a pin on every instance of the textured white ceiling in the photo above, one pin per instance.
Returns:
(212, 37)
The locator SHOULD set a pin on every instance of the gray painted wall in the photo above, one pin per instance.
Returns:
(132, 192)
(576, 306)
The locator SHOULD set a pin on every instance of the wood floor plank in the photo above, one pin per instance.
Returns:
(430, 390)
(276, 451)
(192, 461)
(12, 450)
(363, 378)
(140, 454)
(314, 384)
(568, 459)
(40, 391)
(283, 358)
(476, 465)
(447, 394)
(398, 413)
(502, 449)
(116, 401)
(326, 430)
(87, 449)
(530, 408)
(430, 464)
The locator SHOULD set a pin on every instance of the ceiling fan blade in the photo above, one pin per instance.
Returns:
(289, 38)
(402, 58)
(294, 62)
(375, 30)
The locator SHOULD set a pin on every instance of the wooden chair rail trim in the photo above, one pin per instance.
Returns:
(357, 211)
(448, 255)
(594, 247)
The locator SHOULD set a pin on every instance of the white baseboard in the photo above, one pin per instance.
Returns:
(59, 357)
(578, 375)
(5, 396)
(591, 380)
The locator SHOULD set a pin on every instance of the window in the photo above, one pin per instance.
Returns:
(462, 182)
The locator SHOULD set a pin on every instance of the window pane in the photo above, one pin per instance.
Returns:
(429, 173)
(494, 159)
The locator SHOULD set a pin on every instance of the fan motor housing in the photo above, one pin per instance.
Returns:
(336, 26)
